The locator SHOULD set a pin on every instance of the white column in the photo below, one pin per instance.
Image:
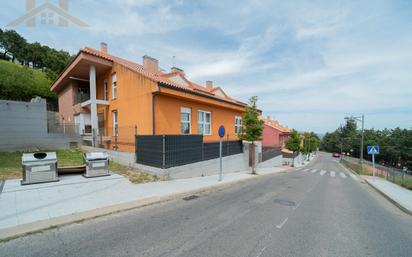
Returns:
(93, 105)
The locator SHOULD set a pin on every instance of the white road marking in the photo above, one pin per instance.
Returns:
(261, 251)
(298, 169)
(283, 223)
(342, 175)
(306, 170)
(313, 171)
(354, 176)
(332, 173)
(322, 172)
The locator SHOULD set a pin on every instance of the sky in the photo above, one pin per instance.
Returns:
(311, 63)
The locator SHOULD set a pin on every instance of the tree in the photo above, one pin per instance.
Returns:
(294, 143)
(395, 144)
(12, 43)
(252, 127)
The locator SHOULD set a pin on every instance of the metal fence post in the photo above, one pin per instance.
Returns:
(203, 151)
(403, 176)
(227, 143)
(164, 151)
(94, 137)
(116, 132)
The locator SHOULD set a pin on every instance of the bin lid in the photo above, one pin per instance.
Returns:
(39, 157)
(96, 156)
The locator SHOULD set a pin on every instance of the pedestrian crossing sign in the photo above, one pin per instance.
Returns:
(373, 149)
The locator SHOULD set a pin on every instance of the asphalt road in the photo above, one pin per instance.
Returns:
(300, 213)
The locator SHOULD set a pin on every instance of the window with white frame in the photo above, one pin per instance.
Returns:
(115, 127)
(105, 90)
(238, 124)
(204, 122)
(114, 86)
(185, 120)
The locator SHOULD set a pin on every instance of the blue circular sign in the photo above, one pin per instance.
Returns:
(222, 131)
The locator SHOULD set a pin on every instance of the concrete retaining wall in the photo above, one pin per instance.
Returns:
(231, 164)
(23, 126)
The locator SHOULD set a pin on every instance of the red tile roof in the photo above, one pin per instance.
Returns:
(276, 125)
(163, 77)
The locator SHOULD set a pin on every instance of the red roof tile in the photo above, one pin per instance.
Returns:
(276, 125)
(162, 77)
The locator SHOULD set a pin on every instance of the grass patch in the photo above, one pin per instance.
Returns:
(10, 165)
(135, 176)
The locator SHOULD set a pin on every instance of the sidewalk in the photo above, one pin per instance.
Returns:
(34, 207)
(400, 196)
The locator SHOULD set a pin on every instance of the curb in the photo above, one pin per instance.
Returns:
(401, 207)
(8, 234)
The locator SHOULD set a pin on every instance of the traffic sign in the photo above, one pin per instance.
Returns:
(222, 131)
(373, 149)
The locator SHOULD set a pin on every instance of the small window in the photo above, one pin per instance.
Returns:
(114, 86)
(115, 127)
(185, 120)
(238, 124)
(106, 90)
(204, 122)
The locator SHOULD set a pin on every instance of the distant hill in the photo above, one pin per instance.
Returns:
(21, 83)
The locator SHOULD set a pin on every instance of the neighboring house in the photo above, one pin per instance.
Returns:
(274, 134)
(108, 95)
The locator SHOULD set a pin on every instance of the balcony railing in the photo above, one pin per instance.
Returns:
(81, 97)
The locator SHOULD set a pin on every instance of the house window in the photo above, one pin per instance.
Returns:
(106, 91)
(114, 86)
(204, 122)
(185, 120)
(238, 124)
(115, 127)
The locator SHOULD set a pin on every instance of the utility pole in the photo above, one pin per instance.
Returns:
(361, 147)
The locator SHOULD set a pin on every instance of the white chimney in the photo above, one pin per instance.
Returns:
(150, 64)
(209, 84)
(103, 47)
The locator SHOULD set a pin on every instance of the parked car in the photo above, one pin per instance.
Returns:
(336, 155)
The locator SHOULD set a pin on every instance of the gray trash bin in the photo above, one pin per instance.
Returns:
(97, 164)
(39, 167)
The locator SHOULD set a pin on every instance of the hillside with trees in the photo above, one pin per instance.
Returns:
(395, 144)
(21, 83)
(28, 69)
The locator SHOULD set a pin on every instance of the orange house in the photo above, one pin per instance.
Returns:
(104, 96)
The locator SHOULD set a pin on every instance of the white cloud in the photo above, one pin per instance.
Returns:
(310, 63)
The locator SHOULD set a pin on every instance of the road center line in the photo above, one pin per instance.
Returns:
(283, 223)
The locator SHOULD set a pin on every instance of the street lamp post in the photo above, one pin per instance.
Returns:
(361, 119)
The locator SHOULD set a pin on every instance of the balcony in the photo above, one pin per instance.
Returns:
(80, 98)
